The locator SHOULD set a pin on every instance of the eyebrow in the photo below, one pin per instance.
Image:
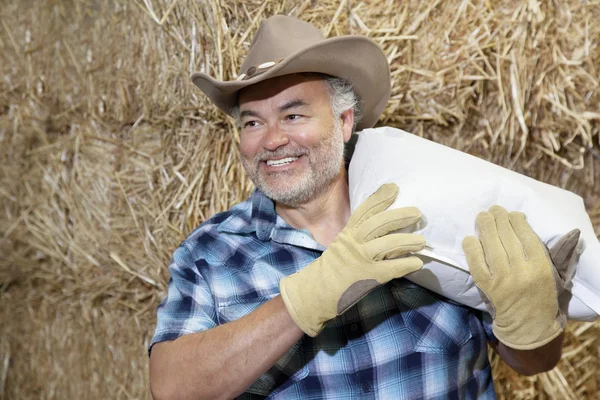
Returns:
(287, 106)
(248, 113)
(293, 104)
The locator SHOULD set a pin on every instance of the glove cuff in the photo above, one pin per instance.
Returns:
(509, 339)
(287, 294)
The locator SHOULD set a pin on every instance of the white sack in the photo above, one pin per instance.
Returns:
(451, 188)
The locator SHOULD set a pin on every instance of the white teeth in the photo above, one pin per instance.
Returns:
(283, 161)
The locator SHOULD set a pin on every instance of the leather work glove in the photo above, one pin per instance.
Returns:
(362, 257)
(517, 278)
(563, 255)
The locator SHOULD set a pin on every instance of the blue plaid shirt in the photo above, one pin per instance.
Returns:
(399, 342)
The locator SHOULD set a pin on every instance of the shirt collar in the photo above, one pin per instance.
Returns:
(258, 215)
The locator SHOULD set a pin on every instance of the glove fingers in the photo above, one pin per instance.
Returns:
(388, 221)
(494, 252)
(532, 244)
(476, 259)
(562, 253)
(510, 241)
(398, 268)
(394, 245)
(375, 203)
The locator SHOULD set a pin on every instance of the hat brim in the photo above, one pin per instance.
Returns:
(356, 58)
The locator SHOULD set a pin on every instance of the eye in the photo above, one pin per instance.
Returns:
(250, 124)
(293, 117)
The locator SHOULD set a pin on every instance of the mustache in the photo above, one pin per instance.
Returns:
(280, 153)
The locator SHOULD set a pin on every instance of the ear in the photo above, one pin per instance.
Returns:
(347, 118)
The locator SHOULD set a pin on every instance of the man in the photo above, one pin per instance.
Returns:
(290, 295)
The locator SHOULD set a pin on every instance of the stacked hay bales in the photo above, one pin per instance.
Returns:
(110, 156)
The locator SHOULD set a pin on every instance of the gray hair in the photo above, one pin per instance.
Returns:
(342, 94)
(343, 97)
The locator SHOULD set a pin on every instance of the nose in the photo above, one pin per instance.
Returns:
(275, 137)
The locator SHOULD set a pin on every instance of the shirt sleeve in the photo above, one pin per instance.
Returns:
(189, 306)
(486, 320)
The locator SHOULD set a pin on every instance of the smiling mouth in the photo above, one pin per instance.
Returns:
(281, 162)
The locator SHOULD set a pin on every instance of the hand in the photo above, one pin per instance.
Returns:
(362, 257)
(517, 279)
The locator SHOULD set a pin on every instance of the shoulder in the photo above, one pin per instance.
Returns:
(228, 234)
(234, 220)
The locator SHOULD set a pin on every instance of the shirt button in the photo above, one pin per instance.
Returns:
(366, 387)
(353, 327)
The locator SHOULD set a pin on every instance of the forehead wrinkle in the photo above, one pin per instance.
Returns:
(294, 85)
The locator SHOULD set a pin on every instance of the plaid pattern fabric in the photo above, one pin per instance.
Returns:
(400, 342)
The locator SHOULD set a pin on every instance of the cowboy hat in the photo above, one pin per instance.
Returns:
(286, 45)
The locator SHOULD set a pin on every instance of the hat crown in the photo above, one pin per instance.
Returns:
(278, 37)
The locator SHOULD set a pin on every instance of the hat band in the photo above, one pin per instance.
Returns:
(257, 70)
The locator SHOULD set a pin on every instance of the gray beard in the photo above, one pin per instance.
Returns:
(325, 164)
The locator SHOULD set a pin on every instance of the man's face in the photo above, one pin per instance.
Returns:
(291, 145)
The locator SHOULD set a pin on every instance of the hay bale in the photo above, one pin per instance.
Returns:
(110, 156)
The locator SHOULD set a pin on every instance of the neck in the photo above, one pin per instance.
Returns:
(325, 215)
